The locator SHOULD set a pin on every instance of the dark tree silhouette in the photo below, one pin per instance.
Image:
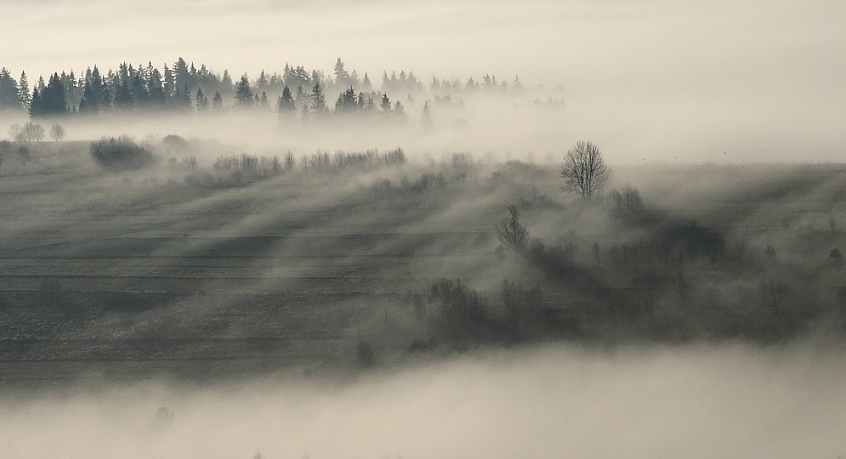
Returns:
(342, 78)
(285, 105)
(243, 94)
(584, 171)
(23, 91)
(511, 232)
(217, 102)
(57, 132)
(385, 104)
(9, 100)
(318, 100)
(201, 101)
(50, 100)
(347, 102)
(263, 103)
(123, 97)
(426, 116)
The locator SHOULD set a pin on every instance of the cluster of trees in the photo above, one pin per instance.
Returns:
(182, 87)
(32, 132)
(14, 94)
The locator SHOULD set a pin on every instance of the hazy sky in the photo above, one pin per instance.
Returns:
(705, 76)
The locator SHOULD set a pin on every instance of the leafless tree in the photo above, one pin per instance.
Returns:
(15, 132)
(30, 132)
(57, 132)
(584, 171)
(511, 232)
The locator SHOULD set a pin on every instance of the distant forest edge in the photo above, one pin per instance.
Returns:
(184, 88)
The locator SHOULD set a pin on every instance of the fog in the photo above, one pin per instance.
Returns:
(554, 401)
(723, 82)
(236, 298)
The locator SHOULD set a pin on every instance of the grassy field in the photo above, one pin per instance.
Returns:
(186, 269)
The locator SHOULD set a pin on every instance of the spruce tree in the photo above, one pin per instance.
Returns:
(49, 100)
(285, 105)
(123, 97)
(243, 94)
(318, 101)
(23, 91)
(201, 101)
(385, 104)
(217, 102)
(9, 100)
(155, 86)
(426, 116)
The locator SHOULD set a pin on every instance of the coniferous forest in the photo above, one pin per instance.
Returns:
(296, 93)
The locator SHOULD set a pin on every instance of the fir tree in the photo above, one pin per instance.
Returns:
(385, 104)
(123, 96)
(285, 105)
(23, 91)
(202, 101)
(182, 99)
(367, 86)
(155, 87)
(426, 116)
(49, 100)
(347, 102)
(217, 102)
(318, 101)
(342, 78)
(138, 90)
(399, 112)
(243, 94)
(35, 108)
(262, 83)
(9, 100)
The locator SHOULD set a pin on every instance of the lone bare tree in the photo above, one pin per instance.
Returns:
(511, 232)
(57, 132)
(584, 171)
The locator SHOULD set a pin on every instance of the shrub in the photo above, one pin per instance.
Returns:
(121, 154)
(457, 300)
(176, 143)
(626, 200)
(521, 303)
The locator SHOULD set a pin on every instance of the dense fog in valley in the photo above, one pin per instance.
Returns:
(649, 80)
(414, 229)
(726, 400)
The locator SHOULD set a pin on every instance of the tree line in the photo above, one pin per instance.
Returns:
(182, 87)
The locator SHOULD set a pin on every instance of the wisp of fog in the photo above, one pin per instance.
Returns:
(555, 401)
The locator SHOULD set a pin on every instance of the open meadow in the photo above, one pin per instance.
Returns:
(211, 262)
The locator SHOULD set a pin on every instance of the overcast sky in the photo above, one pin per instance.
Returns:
(757, 75)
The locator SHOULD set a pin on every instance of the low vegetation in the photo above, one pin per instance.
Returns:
(404, 258)
(121, 153)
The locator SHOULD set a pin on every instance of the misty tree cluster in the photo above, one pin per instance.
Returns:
(184, 88)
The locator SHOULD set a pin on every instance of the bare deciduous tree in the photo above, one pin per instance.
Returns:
(30, 132)
(584, 171)
(511, 232)
(57, 132)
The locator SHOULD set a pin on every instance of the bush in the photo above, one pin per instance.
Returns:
(457, 300)
(121, 154)
(175, 143)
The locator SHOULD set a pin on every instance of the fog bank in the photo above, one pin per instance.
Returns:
(695, 401)
(725, 82)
